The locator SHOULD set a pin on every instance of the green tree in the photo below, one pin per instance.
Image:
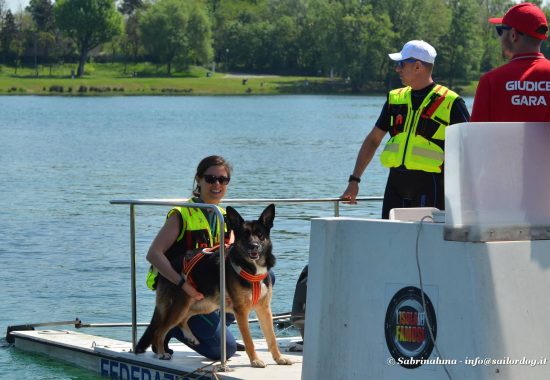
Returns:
(130, 42)
(247, 45)
(427, 20)
(288, 21)
(129, 7)
(42, 14)
(237, 32)
(545, 48)
(460, 55)
(364, 41)
(322, 28)
(347, 39)
(8, 35)
(88, 23)
(174, 31)
(15, 37)
(200, 36)
(43, 35)
(3, 10)
(492, 51)
(17, 48)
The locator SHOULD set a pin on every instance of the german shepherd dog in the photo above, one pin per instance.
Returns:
(248, 287)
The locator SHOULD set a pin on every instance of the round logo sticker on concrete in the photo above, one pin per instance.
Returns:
(407, 334)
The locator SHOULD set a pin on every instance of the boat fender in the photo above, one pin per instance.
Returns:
(9, 338)
(298, 313)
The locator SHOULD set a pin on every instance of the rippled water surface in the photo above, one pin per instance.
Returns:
(64, 250)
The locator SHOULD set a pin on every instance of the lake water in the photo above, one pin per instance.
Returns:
(64, 250)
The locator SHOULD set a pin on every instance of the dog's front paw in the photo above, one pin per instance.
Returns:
(165, 356)
(283, 361)
(257, 363)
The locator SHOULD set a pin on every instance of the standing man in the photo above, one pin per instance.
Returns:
(520, 89)
(416, 117)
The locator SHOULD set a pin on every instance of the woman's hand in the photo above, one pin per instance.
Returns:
(192, 292)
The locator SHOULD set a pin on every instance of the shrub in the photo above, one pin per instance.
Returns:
(56, 88)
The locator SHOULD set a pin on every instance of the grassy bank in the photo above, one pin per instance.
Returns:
(148, 79)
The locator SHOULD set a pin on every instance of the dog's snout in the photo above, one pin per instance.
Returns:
(255, 245)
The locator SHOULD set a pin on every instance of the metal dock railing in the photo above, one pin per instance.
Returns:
(180, 202)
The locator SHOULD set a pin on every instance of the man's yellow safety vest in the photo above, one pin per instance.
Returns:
(418, 137)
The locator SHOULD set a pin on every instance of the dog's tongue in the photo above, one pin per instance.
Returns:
(254, 255)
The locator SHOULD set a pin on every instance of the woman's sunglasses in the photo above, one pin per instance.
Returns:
(223, 180)
(501, 28)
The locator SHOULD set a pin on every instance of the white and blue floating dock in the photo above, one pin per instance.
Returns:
(114, 359)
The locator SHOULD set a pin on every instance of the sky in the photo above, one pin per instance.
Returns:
(16, 5)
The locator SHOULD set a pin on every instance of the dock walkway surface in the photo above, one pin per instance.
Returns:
(113, 358)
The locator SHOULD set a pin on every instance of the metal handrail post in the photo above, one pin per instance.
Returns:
(223, 332)
(133, 265)
(337, 208)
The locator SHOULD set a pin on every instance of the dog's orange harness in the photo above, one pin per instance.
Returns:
(189, 264)
(254, 279)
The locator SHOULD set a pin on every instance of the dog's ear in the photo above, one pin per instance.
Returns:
(267, 217)
(234, 218)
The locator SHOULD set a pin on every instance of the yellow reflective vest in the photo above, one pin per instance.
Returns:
(195, 233)
(418, 137)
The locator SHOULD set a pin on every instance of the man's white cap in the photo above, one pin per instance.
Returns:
(418, 49)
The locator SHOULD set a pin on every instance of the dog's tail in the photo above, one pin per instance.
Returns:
(147, 337)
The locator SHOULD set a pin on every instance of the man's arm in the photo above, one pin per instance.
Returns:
(459, 112)
(368, 148)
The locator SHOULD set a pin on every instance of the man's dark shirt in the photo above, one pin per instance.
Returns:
(459, 112)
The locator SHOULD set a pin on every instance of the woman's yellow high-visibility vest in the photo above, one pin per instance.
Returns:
(195, 233)
(418, 137)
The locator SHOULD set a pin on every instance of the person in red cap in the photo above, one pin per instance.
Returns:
(416, 117)
(520, 89)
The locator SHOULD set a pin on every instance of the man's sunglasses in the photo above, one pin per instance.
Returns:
(502, 28)
(408, 60)
(223, 180)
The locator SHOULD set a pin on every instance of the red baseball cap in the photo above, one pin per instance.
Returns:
(526, 18)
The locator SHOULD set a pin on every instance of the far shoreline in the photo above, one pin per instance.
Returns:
(106, 80)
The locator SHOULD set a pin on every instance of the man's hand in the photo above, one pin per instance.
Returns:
(351, 193)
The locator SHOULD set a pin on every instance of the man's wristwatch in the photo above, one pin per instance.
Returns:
(353, 178)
